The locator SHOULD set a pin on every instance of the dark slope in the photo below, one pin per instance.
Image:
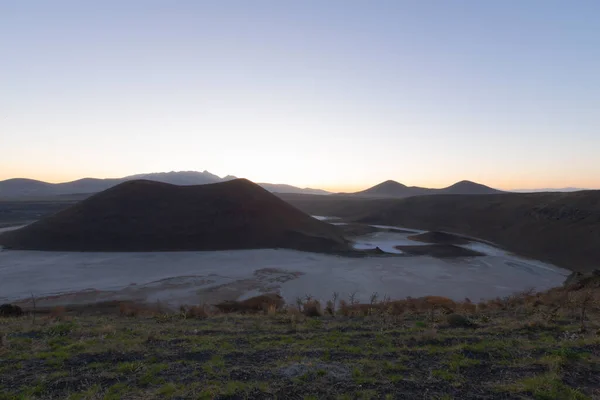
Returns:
(151, 216)
(561, 228)
(437, 237)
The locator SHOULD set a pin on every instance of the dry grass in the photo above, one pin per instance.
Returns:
(312, 308)
(523, 346)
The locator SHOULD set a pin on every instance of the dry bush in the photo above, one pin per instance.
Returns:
(330, 308)
(357, 309)
(197, 312)
(312, 308)
(292, 311)
(466, 307)
(129, 310)
(437, 302)
(272, 309)
(106, 330)
(584, 300)
(58, 312)
(252, 305)
(398, 307)
(344, 308)
(294, 316)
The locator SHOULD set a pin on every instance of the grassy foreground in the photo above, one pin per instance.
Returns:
(520, 347)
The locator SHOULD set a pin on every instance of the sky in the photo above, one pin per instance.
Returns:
(336, 94)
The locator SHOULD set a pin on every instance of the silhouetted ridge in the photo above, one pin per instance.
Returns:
(387, 188)
(468, 187)
(144, 215)
(394, 189)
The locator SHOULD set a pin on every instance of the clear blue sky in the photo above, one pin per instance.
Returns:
(332, 94)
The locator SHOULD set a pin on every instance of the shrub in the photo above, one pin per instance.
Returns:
(10, 310)
(312, 308)
(330, 308)
(58, 312)
(459, 321)
(253, 304)
(198, 312)
(128, 310)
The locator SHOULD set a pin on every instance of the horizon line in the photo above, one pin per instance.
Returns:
(314, 187)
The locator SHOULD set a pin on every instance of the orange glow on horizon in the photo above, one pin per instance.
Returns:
(504, 184)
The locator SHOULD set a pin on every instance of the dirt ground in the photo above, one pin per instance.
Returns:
(504, 355)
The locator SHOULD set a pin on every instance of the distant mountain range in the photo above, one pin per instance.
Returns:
(22, 187)
(396, 189)
(30, 188)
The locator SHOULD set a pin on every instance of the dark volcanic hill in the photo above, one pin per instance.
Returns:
(391, 189)
(152, 216)
(395, 189)
(468, 187)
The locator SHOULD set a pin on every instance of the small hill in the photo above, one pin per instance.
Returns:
(390, 188)
(468, 187)
(398, 190)
(151, 216)
(25, 187)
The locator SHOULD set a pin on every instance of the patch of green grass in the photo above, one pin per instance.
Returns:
(54, 358)
(61, 329)
(130, 368)
(167, 390)
(89, 393)
(366, 394)
(570, 354)
(361, 377)
(352, 349)
(548, 386)
(37, 389)
(150, 376)
(393, 367)
(58, 374)
(116, 391)
(215, 365)
(232, 388)
(498, 348)
(444, 375)
(458, 361)
(314, 323)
